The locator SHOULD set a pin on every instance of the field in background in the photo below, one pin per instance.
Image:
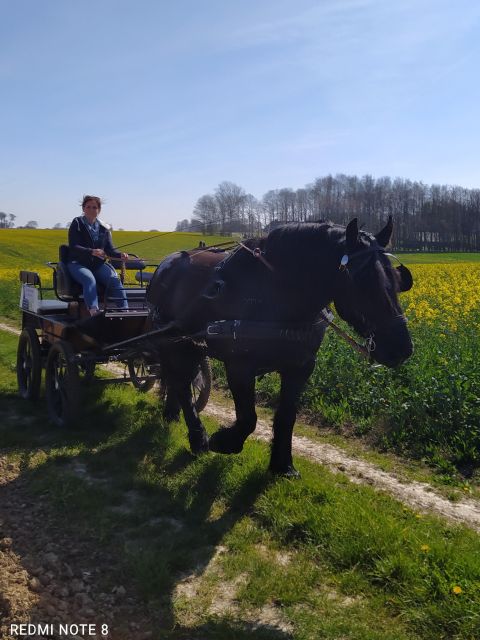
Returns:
(428, 408)
(31, 249)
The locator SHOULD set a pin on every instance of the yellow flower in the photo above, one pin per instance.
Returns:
(443, 292)
(456, 589)
(425, 548)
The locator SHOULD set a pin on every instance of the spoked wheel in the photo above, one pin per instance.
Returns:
(29, 364)
(141, 374)
(62, 384)
(202, 385)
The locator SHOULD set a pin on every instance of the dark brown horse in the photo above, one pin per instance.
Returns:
(260, 309)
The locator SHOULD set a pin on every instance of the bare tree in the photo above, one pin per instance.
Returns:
(205, 214)
(230, 200)
(435, 217)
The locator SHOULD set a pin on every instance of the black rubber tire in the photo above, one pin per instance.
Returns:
(62, 385)
(139, 372)
(29, 364)
(202, 385)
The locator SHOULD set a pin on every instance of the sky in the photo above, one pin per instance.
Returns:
(151, 104)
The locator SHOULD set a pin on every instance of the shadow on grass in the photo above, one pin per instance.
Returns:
(166, 533)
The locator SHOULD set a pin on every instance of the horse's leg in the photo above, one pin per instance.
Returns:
(241, 381)
(292, 384)
(171, 407)
(179, 368)
(197, 436)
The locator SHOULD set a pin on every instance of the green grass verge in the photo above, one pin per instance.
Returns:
(436, 258)
(216, 543)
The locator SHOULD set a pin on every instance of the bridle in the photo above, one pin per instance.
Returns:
(347, 258)
(373, 248)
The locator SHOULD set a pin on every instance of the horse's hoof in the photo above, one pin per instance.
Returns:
(199, 443)
(226, 441)
(285, 472)
(170, 416)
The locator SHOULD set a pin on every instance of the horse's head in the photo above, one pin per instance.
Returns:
(367, 290)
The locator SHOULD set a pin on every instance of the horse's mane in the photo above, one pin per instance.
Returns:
(302, 243)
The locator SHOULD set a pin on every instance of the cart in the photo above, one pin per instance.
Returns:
(51, 316)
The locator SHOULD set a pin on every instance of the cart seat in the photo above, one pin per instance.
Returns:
(66, 288)
(143, 277)
(31, 295)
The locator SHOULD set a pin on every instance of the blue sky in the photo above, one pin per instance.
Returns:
(152, 104)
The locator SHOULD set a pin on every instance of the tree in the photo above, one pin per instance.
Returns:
(427, 217)
(205, 214)
(230, 202)
(3, 220)
(58, 226)
(183, 225)
(32, 224)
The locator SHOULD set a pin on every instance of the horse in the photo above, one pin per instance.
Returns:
(261, 309)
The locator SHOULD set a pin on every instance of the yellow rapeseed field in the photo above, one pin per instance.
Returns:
(444, 292)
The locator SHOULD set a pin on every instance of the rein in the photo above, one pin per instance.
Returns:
(257, 253)
(364, 350)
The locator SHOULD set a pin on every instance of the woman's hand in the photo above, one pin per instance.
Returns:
(124, 256)
(99, 253)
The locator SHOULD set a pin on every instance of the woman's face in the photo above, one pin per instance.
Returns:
(91, 210)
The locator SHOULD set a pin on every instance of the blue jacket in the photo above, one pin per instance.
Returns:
(81, 243)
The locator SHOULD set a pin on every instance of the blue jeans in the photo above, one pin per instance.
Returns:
(104, 274)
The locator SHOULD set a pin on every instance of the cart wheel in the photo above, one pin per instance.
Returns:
(140, 374)
(62, 384)
(29, 364)
(202, 385)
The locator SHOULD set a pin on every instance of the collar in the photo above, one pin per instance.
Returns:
(92, 225)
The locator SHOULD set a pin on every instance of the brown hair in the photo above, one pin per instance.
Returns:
(96, 199)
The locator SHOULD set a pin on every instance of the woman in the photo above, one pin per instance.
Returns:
(90, 242)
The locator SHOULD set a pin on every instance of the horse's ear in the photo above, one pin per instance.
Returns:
(351, 234)
(384, 236)
(405, 278)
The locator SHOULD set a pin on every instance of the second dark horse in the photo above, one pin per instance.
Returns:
(262, 311)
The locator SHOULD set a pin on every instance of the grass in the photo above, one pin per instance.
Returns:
(451, 485)
(436, 258)
(30, 248)
(320, 557)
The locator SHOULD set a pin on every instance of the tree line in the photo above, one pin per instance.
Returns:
(7, 221)
(427, 217)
